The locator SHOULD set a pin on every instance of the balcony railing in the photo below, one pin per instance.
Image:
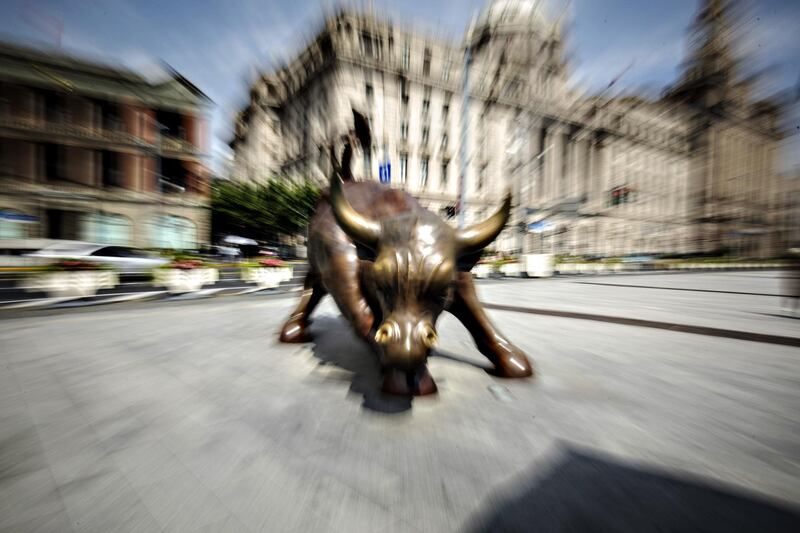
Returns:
(176, 144)
(115, 136)
(72, 131)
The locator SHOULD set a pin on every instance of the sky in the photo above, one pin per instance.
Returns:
(221, 45)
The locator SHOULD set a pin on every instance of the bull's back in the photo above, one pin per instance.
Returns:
(326, 239)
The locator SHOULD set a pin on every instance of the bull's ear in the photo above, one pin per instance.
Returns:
(477, 237)
(358, 227)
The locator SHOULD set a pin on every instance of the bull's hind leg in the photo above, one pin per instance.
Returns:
(296, 328)
(509, 361)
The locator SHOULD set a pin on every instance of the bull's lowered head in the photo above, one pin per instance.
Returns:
(416, 259)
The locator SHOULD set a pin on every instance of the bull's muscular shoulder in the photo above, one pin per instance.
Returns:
(379, 201)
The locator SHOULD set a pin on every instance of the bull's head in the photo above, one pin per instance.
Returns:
(416, 257)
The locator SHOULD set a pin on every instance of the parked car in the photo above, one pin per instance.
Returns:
(124, 259)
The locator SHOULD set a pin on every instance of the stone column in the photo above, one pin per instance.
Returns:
(148, 129)
(581, 168)
(131, 120)
(532, 171)
(130, 171)
(554, 180)
(599, 172)
(591, 173)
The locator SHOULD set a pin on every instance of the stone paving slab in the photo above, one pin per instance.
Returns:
(760, 309)
(193, 418)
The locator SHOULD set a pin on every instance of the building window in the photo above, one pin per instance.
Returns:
(173, 232)
(369, 93)
(445, 168)
(425, 132)
(367, 45)
(480, 181)
(404, 131)
(444, 141)
(404, 91)
(105, 229)
(445, 111)
(426, 101)
(426, 62)
(406, 56)
(110, 165)
(423, 173)
(403, 167)
(13, 225)
(446, 71)
(620, 195)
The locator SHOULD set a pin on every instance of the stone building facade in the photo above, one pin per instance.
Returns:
(97, 154)
(593, 176)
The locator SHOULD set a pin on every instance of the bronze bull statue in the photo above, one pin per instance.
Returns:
(392, 267)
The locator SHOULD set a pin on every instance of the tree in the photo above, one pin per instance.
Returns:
(262, 211)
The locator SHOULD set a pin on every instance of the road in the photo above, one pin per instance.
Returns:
(187, 416)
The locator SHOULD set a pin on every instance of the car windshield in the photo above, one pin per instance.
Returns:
(119, 251)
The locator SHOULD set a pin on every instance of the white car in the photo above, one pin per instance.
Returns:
(124, 259)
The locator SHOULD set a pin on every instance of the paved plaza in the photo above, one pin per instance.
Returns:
(189, 416)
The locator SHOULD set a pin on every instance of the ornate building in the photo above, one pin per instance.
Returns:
(598, 176)
(92, 153)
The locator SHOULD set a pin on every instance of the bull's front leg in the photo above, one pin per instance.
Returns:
(296, 328)
(509, 361)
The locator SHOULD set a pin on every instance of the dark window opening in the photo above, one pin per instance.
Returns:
(53, 163)
(171, 124)
(109, 116)
(368, 45)
(55, 107)
(426, 63)
(63, 224)
(173, 176)
(112, 175)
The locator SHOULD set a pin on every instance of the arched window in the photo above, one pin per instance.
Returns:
(105, 228)
(174, 232)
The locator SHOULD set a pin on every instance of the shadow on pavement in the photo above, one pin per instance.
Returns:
(776, 315)
(334, 343)
(461, 359)
(587, 492)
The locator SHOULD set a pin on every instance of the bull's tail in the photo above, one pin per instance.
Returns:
(360, 134)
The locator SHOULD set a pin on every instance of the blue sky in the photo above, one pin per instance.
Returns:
(219, 45)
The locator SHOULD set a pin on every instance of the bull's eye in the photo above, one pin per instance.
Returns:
(427, 335)
(388, 332)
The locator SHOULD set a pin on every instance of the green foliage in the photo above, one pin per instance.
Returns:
(262, 211)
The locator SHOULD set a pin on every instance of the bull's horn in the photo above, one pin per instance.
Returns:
(356, 226)
(478, 236)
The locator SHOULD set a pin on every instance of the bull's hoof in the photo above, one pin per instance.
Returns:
(295, 331)
(511, 364)
(403, 383)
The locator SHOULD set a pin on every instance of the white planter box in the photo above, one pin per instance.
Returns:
(567, 268)
(512, 270)
(482, 271)
(539, 265)
(72, 283)
(178, 280)
(267, 277)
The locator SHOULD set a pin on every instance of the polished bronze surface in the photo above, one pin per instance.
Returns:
(392, 267)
